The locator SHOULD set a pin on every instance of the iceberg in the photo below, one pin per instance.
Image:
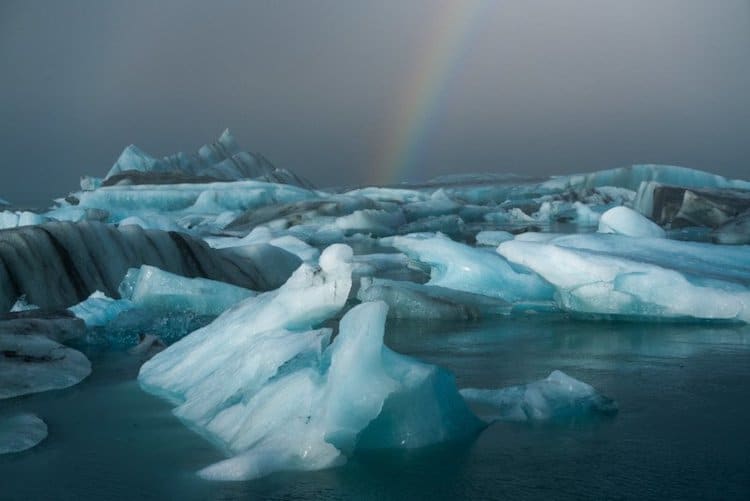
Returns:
(220, 161)
(153, 288)
(368, 397)
(458, 266)
(57, 265)
(30, 363)
(20, 432)
(557, 397)
(277, 396)
(613, 275)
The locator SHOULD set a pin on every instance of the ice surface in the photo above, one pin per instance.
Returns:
(557, 397)
(157, 289)
(20, 432)
(30, 363)
(479, 271)
(642, 278)
(628, 222)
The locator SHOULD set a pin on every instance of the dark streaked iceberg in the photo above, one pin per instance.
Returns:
(56, 265)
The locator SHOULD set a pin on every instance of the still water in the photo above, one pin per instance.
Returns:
(681, 433)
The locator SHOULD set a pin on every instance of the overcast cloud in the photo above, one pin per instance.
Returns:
(541, 87)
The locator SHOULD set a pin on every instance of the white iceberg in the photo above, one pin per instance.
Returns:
(643, 278)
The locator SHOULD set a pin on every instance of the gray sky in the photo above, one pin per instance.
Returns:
(334, 89)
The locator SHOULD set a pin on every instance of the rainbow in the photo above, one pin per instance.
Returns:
(416, 108)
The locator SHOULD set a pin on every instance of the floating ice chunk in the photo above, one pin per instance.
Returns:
(10, 219)
(31, 363)
(4, 202)
(20, 432)
(157, 289)
(366, 397)
(99, 309)
(429, 302)
(558, 397)
(480, 271)
(628, 222)
(640, 278)
(493, 238)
